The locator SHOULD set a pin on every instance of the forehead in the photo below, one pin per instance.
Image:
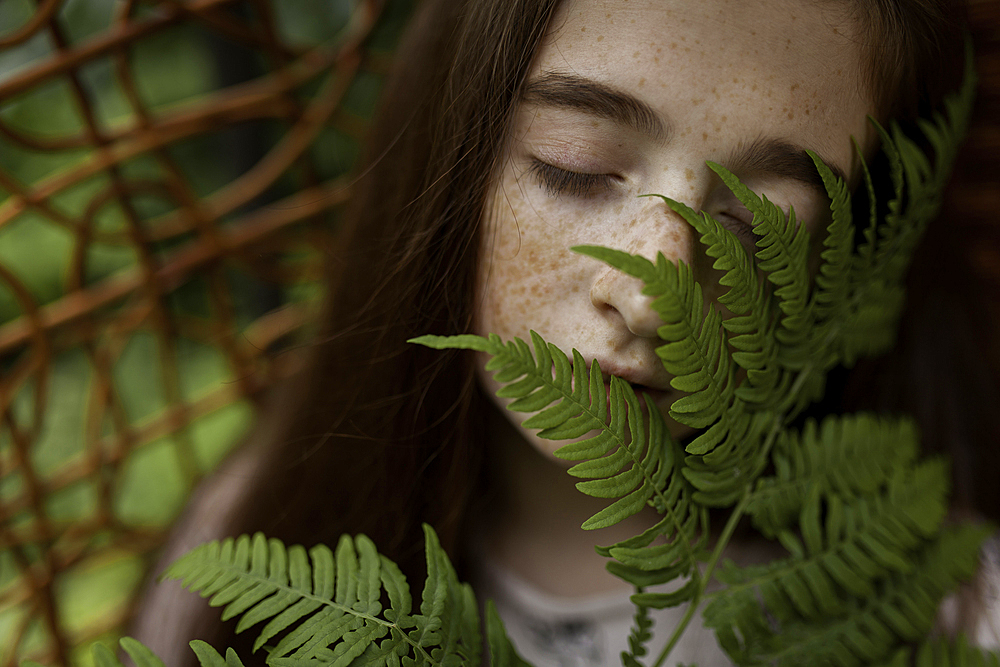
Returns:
(788, 68)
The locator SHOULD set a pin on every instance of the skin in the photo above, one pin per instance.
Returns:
(716, 76)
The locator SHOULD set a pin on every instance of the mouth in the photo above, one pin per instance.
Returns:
(659, 393)
(661, 398)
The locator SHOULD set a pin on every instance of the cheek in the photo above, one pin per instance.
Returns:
(525, 268)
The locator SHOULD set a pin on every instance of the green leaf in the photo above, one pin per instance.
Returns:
(207, 656)
(502, 652)
(103, 657)
(141, 656)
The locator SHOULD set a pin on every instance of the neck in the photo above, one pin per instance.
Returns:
(535, 531)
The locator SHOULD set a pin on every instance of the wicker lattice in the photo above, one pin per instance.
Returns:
(169, 175)
(169, 170)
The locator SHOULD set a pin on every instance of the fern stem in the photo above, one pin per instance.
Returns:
(720, 545)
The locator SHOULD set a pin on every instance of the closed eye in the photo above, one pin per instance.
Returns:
(740, 227)
(557, 181)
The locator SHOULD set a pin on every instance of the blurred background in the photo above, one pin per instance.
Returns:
(170, 177)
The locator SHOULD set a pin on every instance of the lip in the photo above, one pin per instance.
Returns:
(641, 381)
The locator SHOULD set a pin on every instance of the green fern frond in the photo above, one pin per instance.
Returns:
(209, 657)
(845, 547)
(873, 629)
(640, 635)
(635, 471)
(833, 279)
(694, 344)
(629, 458)
(502, 652)
(327, 606)
(730, 454)
(751, 327)
(783, 255)
(845, 455)
(877, 274)
(940, 653)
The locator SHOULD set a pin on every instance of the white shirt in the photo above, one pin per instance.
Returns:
(592, 631)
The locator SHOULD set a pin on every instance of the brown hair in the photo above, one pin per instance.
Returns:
(910, 56)
(379, 435)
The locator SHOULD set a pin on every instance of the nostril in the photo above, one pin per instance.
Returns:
(622, 294)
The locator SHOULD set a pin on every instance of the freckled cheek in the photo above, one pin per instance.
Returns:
(527, 276)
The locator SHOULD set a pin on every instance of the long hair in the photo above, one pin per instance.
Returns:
(378, 436)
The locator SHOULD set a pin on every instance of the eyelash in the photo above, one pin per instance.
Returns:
(556, 181)
(741, 229)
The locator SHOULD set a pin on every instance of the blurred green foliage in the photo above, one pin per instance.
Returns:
(177, 66)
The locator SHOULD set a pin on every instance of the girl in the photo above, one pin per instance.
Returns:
(513, 130)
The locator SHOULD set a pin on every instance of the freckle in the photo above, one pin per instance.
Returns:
(583, 29)
(618, 209)
(753, 87)
(642, 82)
(704, 136)
(794, 86)
(689, 174)
(791, 115)
(687, 49)
(807, 112)
(753, 33)
(635, 55)
(656, 59)
(673, 45)
(600, 38)
(608, 15)
(735, 80)
(695, 101)
(724, 119)
(666, 168)
(632, 21)
(697, 41)
(838, 72)
(659, 50)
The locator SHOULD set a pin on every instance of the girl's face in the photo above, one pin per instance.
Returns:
(631, 97)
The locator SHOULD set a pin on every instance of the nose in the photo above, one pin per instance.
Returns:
(655, 229)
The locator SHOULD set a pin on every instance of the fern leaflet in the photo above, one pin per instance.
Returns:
(327, 606)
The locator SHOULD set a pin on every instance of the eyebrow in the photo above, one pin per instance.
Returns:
(780, 158)
(569, 91)
(771, 156)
